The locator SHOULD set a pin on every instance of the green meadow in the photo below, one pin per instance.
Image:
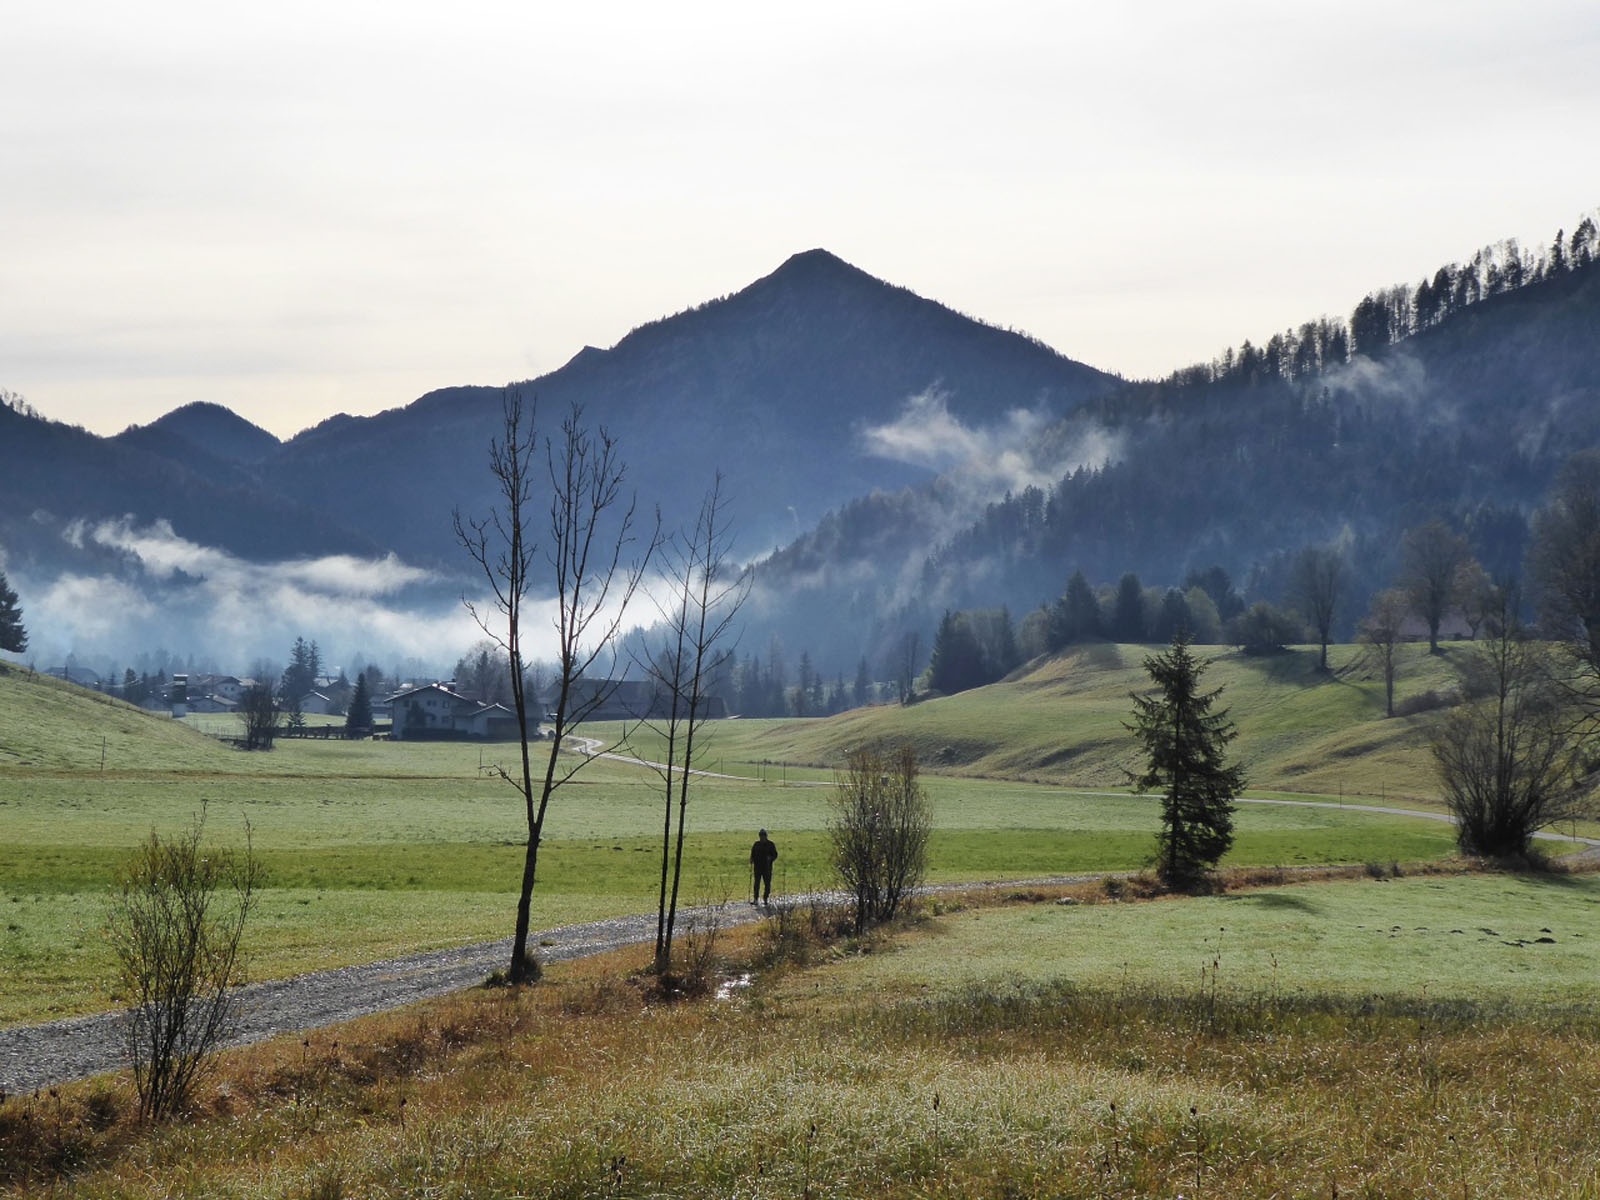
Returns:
(1498, 939)
(377, 848)
(1423, 1032)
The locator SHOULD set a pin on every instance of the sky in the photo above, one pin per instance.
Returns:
(301, 209)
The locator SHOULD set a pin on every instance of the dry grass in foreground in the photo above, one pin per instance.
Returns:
(587, 1087)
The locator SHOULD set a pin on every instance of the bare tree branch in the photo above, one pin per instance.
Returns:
(588, 535)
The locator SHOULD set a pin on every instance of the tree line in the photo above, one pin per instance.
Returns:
(1387, 316)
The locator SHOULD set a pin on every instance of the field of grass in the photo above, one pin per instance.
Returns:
(1433, 1034)
(357, 869)
(376, 848)
(1246, 1046)
(1519, 940)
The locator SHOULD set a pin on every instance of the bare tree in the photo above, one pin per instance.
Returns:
(484, 673)
(590, 531)
(1431, 555)
(1505, 758)
(879, 830)
(1318, 582)
(1564, 569)
(907, 654)
(699, 602)
(1476, 594)
(259, 710)
(175, 921)
(1382, 630)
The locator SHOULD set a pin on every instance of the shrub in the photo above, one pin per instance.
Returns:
(176, 920)
(798, 933)
(1263, 629)
(1425, 702)
(1506, 759)
(879, 831)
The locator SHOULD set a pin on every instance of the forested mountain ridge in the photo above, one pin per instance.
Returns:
(55, 479)
(1421, 407)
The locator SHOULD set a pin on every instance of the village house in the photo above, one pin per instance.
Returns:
(319, 704)
(227, 688)
(435, 711)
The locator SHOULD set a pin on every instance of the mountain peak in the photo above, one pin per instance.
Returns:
(207, 427)
(812, 266)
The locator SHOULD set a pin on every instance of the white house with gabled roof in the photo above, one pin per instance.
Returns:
(435, 711)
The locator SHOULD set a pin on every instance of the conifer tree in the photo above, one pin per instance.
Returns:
(358, 717)
(13, 637)
(1186, 745)
(1075, 617)
(1127, 612)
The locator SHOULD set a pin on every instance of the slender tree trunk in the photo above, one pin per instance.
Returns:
(663, 957)
(519, 946)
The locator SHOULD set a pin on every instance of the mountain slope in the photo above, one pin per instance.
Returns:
(1240, 465)
(777, 386)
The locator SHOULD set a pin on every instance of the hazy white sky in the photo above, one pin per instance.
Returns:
(304, 208)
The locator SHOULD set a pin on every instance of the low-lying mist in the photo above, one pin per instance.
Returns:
(166, 593)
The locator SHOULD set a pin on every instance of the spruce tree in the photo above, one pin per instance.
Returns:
(957, 662)
(1127, 613)
(358, 717)
(1076, 616)
(13, 636)
(1186, 744)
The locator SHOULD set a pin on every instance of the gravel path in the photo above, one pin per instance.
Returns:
(38, 1056)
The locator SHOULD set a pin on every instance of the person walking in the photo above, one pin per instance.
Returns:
(762, 855)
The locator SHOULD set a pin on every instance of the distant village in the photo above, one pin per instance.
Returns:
(439, 710)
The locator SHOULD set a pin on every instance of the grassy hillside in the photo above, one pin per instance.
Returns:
(1061, 721)
(49, 725)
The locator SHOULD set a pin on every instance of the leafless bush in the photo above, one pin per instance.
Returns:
(879, 829)
(1506, 761)
(799, 932)
(176, 920)
(699, 931)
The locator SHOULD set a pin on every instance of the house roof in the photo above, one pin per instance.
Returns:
(426, 687)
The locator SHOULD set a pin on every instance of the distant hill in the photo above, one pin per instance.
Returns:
(54, 476)
(48, 725)
(903, 458)
(1061, 719)
(777, 386)
(813, 385)
(207, 432)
